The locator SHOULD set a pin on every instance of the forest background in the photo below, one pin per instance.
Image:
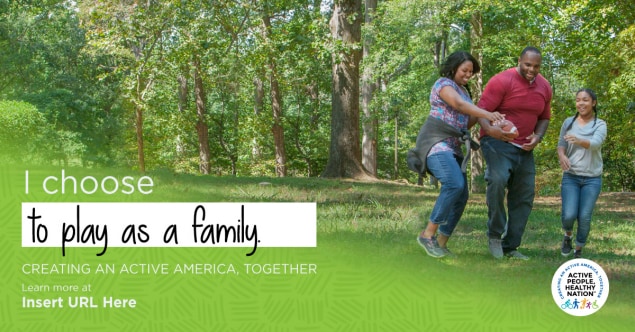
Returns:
(260, 88)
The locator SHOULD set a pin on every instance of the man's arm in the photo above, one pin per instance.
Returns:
(536, 137)
(490, 100)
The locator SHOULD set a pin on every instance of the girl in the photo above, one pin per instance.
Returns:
(580, 155)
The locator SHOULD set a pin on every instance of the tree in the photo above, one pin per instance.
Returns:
(133, 32)
(345, 153)
(201, 113)
(369, 85)
(477, 169)
(137, 82)
(44, 63)
(276, 102)
(23, 131)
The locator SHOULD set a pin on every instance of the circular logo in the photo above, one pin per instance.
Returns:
(580, 287)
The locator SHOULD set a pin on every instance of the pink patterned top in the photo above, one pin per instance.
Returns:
(441, 110)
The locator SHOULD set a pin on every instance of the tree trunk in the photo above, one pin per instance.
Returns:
(396, 148)
(259, 97)
(440, 49)
(345, 151)
(183, 92)
(201, 124)
(220, 121)
(139, 130)
(369, 121)
(477, 184)
(183, 89)
(277, 129)
(276, 107)
(297, 127)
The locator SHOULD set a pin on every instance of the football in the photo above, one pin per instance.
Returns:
(507, 126)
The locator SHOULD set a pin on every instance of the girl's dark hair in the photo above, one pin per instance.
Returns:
(595, 110)
(454, 60)
(452, 63)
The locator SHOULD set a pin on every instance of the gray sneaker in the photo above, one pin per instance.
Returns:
(566, 246)
(431, 246)
(447, 252)
(577, 254)
(516, 254)
(496, 248)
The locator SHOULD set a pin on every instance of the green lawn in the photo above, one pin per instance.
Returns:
(381, 220)
(372, 273)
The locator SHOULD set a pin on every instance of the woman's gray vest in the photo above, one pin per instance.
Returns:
(433, 131)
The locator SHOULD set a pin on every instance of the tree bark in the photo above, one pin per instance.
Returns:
(369, 120)
(440, 49)
(396, 149)
(259, 97)
(183, 89)
(201, 125)
(477, 184)
(139, 130)
(276, 107)
(345, 151)
(183, 92)
(277, 129)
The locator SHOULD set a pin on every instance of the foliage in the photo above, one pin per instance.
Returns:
(88, 66)
(595, 50)
(22, 131)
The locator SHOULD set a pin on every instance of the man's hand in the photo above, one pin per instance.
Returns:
(533, 142)
(498, 133)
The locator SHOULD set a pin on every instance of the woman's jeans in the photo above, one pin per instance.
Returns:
(579, 194)
(446, 167)
(510, 171)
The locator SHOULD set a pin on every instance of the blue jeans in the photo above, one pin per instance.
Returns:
(508, 168)
(448, 209)
(579, 194)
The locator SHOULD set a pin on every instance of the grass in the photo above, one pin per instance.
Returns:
(390, 214)
(371, 228)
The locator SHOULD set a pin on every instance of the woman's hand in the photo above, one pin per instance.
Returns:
(572, 139)
(565, 164)
(494, 117)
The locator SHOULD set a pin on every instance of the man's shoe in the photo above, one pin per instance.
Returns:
(577, 254)
(516, 254)
(566, 246)
(496, 248)
(431, 246)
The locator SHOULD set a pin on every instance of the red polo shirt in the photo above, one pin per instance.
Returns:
(522, 103)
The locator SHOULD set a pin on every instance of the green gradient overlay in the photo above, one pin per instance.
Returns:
(356, 288)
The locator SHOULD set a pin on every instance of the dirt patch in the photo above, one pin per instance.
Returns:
(613, 201)
(617, 201)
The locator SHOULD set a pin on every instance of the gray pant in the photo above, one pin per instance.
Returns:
(508, 168)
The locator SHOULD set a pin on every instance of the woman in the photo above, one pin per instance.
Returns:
(451, 103)
(580, 155)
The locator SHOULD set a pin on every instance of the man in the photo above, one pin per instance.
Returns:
(524, 96)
